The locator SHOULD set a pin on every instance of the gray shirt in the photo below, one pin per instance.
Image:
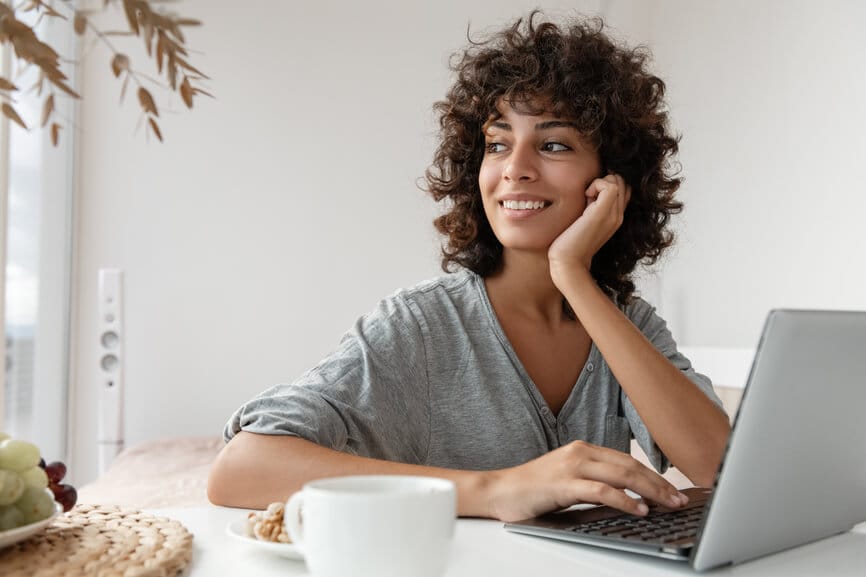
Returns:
(429, 378)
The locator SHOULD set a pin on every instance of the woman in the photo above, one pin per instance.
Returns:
(523, 376)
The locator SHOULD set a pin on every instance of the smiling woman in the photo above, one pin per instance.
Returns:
(524, 376)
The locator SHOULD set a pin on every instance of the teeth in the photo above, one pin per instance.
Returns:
(523, 204)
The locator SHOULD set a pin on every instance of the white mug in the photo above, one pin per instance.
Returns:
(374, 525)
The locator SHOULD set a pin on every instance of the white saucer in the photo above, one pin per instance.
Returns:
(236, 529)
(12, 536)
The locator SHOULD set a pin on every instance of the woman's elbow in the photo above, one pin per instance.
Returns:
(225, 479)
(218, 482)
(705, 476)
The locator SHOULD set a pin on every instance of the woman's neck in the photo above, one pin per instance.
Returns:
(523, 286)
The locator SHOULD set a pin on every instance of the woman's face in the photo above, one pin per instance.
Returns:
(535, 171)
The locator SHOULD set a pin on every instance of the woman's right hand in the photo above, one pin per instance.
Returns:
(577, 473)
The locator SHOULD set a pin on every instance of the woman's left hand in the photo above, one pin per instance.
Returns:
(606, 199)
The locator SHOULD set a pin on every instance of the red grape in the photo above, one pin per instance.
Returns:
(66, 495)
(55, 471)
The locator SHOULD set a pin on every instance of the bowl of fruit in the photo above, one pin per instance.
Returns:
(31, 491)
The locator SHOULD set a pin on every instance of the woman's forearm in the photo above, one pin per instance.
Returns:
(688, 427)
(254, 470)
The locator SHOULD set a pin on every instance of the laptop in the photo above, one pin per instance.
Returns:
(795, 457)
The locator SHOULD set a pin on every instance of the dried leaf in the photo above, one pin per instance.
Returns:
(57, 79)
(148, 37)
(172, 70)
(53, 73)
(119, 63)
(80, 23)
(146, 101)
(186, 92)
(187, 22)
(200, 91)
(6, 85)
(131, 11)
(55, 133)
(174, 46)
(159, 20)
(176, 32)
(155, 128)
(47, 109)
(65, 88)
(10, 113)
(27, 46)
(190, 67)
(160, 51)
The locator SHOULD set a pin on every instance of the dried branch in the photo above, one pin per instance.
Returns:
(160, 30)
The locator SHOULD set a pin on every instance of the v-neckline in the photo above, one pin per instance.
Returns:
(528, 383)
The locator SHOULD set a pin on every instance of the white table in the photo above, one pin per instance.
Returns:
(484, 548)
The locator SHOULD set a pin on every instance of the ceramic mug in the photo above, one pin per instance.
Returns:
(374, 525)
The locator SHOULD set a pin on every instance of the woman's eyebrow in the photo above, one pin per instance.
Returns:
(498, 124)
(546, 125)
(555, 124)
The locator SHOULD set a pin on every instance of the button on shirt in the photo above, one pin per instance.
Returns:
(429, 378)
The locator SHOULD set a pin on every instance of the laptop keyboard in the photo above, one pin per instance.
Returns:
(657, 527)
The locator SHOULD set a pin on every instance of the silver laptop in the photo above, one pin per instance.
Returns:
(794, 458)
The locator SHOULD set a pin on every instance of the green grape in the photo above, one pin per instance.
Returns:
(35, 477)
(18, 455)
(11, 517)
(36, 504)
(11, 487)
(4, 436)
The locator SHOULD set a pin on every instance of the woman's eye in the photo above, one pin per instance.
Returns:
(495, 147)
(554, 147)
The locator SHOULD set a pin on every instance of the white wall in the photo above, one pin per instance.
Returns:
(276, 214)
(770, 98)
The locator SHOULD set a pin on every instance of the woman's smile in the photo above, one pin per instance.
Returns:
(519, 209)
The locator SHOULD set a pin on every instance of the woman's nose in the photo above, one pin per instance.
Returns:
(521, 165)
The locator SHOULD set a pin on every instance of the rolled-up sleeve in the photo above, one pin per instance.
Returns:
(369, 397)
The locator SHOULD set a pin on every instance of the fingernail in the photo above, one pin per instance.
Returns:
(684, 499)
(642, 508)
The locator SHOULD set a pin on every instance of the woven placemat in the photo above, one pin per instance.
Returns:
(102, 541)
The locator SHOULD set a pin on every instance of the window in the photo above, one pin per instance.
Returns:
(36, 192)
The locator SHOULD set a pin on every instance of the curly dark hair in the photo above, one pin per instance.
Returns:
(577, 73)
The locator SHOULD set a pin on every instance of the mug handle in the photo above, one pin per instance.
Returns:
(292, 519)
